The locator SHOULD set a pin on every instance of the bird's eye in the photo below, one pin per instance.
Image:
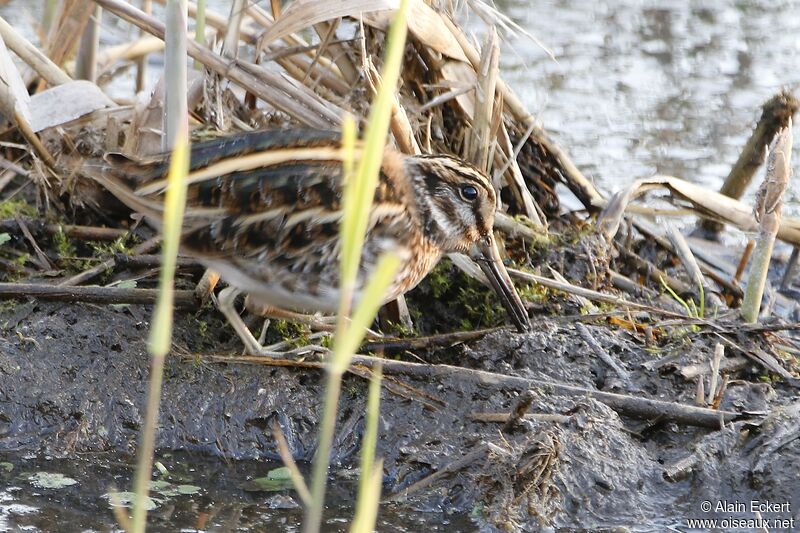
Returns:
(469, 193)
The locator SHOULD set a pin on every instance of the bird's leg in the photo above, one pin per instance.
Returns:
(225, 304)
(315, 322)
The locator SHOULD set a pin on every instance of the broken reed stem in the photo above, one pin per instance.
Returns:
(776, 114)
(719, 351)
(230, 45)
(769, 202)
(687, 259)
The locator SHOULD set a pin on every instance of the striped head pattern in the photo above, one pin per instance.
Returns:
(454, 200)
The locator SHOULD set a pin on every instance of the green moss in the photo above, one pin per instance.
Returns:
(12, 208)
(295, 334)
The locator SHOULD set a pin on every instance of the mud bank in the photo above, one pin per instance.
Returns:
(73, 379)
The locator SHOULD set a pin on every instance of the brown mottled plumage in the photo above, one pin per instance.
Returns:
(263, 209)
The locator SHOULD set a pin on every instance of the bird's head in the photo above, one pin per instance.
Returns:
(456, 204)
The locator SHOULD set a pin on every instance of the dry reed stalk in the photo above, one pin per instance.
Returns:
(86, 63)
(719, 352)
(685, 255)
(68, 29)
(775, 115)
(293, 99)
(141, 64)
(520, 190)
(32, 56)
(134, 50)
(230, 44)
(705, 203)
(769, 203)
(488, 73)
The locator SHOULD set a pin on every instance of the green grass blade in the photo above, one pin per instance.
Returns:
(358, 194)
(161, 329)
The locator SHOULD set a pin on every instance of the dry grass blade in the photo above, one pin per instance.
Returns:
(480, 135)
(304, 13)
(705, 203)
(294, 99)
(427, 25)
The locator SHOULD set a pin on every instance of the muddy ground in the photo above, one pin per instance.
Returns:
(73, 379)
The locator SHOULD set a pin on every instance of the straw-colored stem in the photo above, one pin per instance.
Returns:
(364, 519)
(86, 63)
(200, 28)
(50, 9)
(32, 56)
(488, 74)
(141, 63)
(161, 330)
(769, 202)
(176, 108)
(230, 45)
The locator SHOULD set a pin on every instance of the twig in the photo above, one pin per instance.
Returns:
(788, 274)
(85, 233)
(598, 350)
(503, 418)
(719, 351)
(425, 343)
(143, 248)
(636, 407)
(288, 460)
(476, 454)
(743, 260)
(41, 259)
(590, 294)
(100, 295)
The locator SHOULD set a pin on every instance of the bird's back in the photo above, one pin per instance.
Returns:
(264, 208)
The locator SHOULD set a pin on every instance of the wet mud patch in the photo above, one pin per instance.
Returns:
(73, 379)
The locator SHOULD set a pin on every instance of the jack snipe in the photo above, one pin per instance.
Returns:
(263, 210)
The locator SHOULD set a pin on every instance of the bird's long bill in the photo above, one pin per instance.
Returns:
(488, 257)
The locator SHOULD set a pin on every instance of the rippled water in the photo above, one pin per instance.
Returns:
(643, 87)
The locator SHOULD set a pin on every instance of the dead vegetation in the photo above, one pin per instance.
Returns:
(604, 265)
